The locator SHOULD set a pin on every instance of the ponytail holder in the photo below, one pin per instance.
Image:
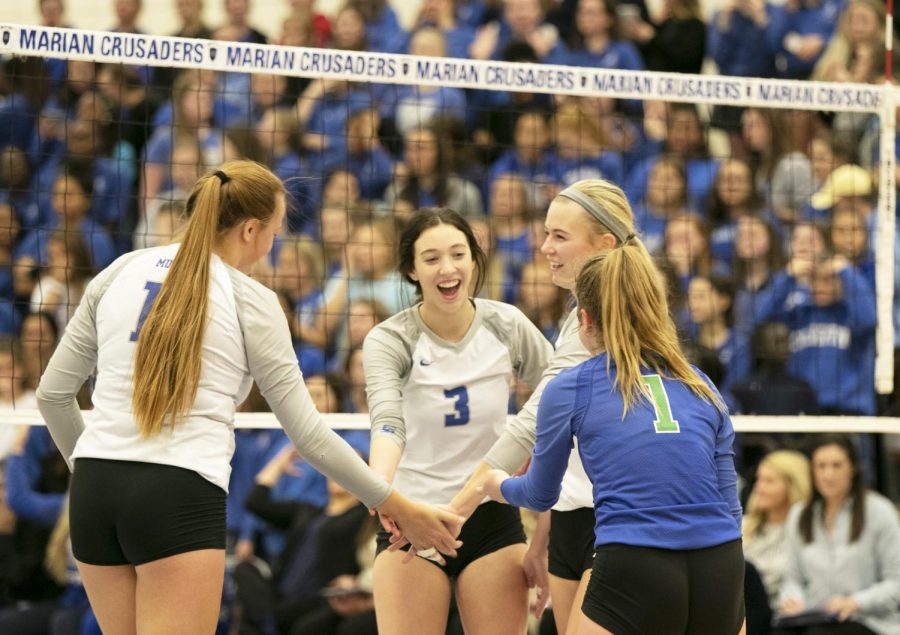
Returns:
(224, 178)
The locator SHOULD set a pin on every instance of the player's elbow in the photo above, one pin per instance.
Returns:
(47, 398)
(543, 501)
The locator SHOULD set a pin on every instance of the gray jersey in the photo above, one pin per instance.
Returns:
(247, 337)
(514, 446)
(445, 403)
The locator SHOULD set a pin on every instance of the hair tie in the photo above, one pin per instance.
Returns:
(224, 178)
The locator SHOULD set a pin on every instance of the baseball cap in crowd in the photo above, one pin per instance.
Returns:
(847, 180)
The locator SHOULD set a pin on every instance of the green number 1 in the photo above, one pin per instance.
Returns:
(664, 422)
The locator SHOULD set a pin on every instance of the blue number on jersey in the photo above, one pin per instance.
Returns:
(152, 291)
(461, 416)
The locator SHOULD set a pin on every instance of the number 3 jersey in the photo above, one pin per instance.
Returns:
(445, 403)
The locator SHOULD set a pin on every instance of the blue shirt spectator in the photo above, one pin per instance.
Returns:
(728, 35)
(832, 339)
(798, 32)
(383, 31)
(26, 492)
(251, 450)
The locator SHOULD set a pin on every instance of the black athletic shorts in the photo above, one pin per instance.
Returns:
(640, 590)
(128, 512)
(571, 550)
(491, 527)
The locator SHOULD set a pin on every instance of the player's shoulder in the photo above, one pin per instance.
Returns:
(402, 326)
(251, 294)
(130, 263)
(140, 257)
(502, 318)
(583, 373)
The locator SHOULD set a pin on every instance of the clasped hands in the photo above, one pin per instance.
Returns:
(444, 545)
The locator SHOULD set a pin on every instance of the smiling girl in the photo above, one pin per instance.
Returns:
(437, 378)
(588, 218)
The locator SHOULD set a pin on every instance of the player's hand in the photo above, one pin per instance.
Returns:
(424, 526)
(491, 485)
(432, 554)
(390, 526)
(536, 568)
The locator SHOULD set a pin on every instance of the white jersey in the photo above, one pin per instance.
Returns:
(514, 447)
(246, 338)
(204, 440)
(445, 403)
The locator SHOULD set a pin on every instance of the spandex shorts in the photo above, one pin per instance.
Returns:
(128, 512)
(491, 527)
(639, 590)
(571, 551)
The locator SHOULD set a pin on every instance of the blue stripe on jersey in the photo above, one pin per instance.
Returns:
(652, 486)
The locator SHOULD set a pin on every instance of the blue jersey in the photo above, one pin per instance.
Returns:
(662, 477)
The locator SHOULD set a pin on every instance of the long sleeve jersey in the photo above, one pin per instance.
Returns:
(246, 338)
(445, 403)
(663, 474)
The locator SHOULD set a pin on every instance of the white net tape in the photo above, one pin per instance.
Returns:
(882, 425)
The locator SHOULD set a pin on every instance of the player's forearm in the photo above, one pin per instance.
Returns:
(469, 497)
(384, 457)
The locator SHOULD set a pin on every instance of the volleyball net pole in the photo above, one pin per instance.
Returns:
(887, 220)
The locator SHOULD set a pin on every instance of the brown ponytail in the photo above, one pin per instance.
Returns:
(169, 349)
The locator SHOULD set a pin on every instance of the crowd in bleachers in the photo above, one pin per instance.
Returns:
(763, 220)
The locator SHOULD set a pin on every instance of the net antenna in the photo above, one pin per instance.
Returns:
(887, 218)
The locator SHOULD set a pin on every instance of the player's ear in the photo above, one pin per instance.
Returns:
(584, 319)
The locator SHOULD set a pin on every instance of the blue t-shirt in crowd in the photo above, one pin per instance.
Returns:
(820, 20)
(373, 169)
(701, 175)
(17, 122)
(606, 165)
(730, 51)
(411, 107)
(385, 35)
(651, 227)
(251, 451)
(832, 347)
(99, 244)
(663, 476)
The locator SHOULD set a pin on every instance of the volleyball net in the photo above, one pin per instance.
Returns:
(733, 180)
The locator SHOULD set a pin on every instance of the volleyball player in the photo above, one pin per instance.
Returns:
(438, 383)
(656, 439)
(588, 218)
(177, 333)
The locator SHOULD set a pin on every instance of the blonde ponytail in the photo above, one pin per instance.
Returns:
(168, 359)
(624, 295)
